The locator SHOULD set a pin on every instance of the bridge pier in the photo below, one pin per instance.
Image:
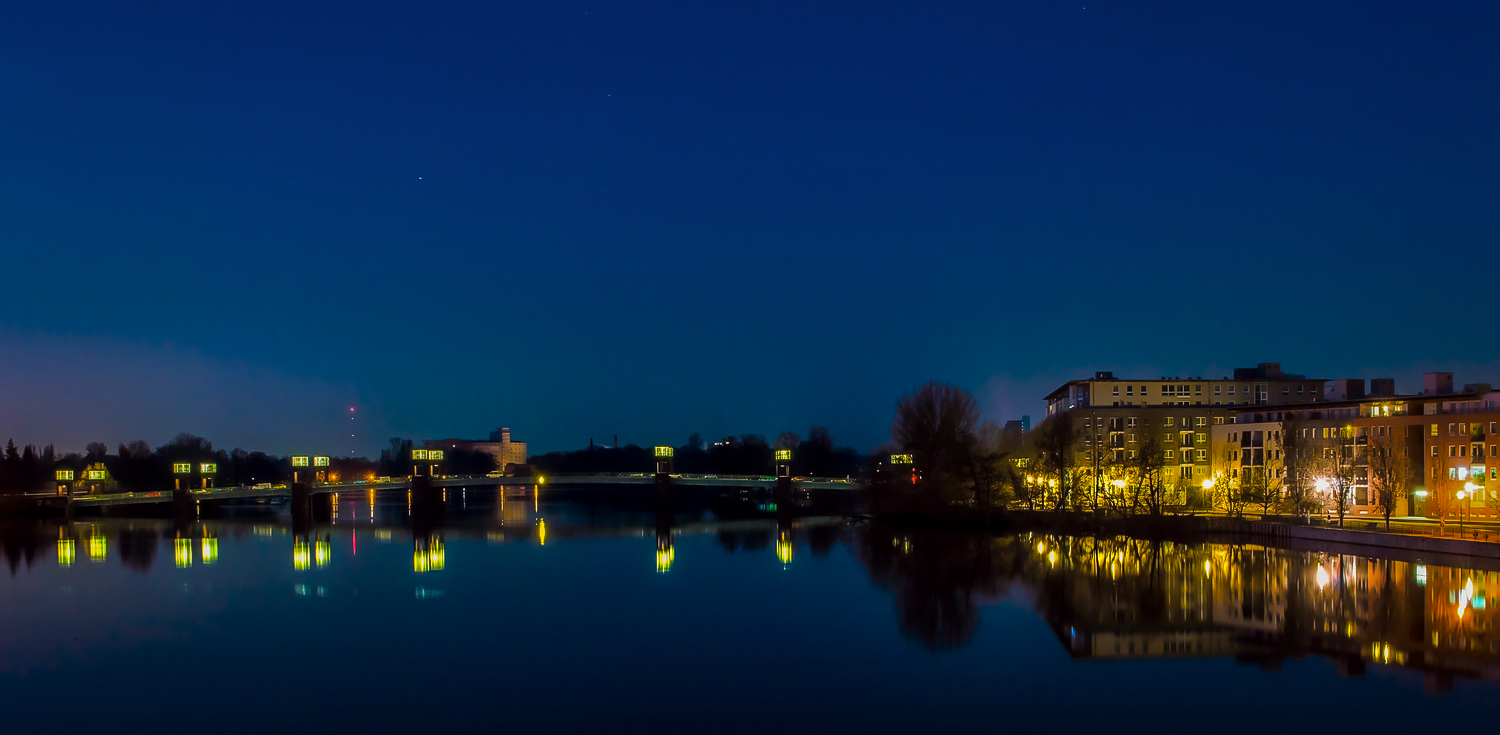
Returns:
(427, 506)
(301, 508)
(184, 507)
(783, 494)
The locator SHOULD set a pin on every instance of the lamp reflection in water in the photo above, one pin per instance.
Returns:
(301, 554)
(428, 555)
(322, 551)
(182, 552)
(66, 551)
(209, 549)
(784, 546)
(98, 548)
(666, 553)
(541, 531)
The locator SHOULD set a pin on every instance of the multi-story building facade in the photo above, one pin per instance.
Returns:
(1443, 441)
(506, 451)
(1117, 419)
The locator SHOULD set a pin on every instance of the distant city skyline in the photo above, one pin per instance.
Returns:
(648, 220)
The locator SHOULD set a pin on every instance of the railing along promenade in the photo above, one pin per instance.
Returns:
(563, 480)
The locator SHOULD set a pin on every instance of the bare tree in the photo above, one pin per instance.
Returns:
(1337, 468)
(936, 424)
(1145, 484)
(786, 440)
(1056, 441)
(1390, 469)
(1299, 462)
(1229, 494)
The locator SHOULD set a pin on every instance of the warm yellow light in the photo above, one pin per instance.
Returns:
(1208, 484)
(209, 550)
(664, 559)
(429, 555)
(66, 552)
(322, 552)
(784, 551)
(301, 555)
(98, 548)
(1322, 577)
(541, 531)
(182, 552)
(1118, 483)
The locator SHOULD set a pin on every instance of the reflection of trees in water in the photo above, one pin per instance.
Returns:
(936, 578)
(137, 548)
(23, 542)
(747, 539)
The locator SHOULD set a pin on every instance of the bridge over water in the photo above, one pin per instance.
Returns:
(561, 481)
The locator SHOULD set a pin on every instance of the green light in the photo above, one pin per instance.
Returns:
(64, 474)
(182, 468)
(663, 451)
(320, 461)
(435, 455)
(783, 455)
(299, 461)
(419, 454)
(208, 468)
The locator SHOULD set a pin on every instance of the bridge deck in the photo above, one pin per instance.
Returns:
(618, 478)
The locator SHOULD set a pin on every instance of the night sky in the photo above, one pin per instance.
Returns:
(587, 219)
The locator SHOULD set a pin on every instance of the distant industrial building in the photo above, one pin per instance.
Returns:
(507, 453)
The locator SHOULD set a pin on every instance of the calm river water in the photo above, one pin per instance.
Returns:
(555, 616)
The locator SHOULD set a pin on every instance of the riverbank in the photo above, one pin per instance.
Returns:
(1274, 531)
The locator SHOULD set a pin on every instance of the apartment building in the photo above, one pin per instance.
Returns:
(1115, 418)
(1448, 439)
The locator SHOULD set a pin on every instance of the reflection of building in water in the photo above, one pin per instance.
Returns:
(784, 545)
(513, 511)
(428, 554)
(1124, 598)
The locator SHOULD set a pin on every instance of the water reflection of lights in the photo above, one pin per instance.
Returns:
(428, 555)
(209, 550)
(1465, 596)
(1208, 568)
(784, 547)
(182, 552)
(322, 551)
(66, 552)
(541, 531)
(665, 555)
(98, 548)
(301, 555)
(1422, 574)
(1322, 577)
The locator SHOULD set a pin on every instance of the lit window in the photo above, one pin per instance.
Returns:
(1169, 421)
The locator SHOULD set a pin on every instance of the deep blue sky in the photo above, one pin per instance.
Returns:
(588, 219)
